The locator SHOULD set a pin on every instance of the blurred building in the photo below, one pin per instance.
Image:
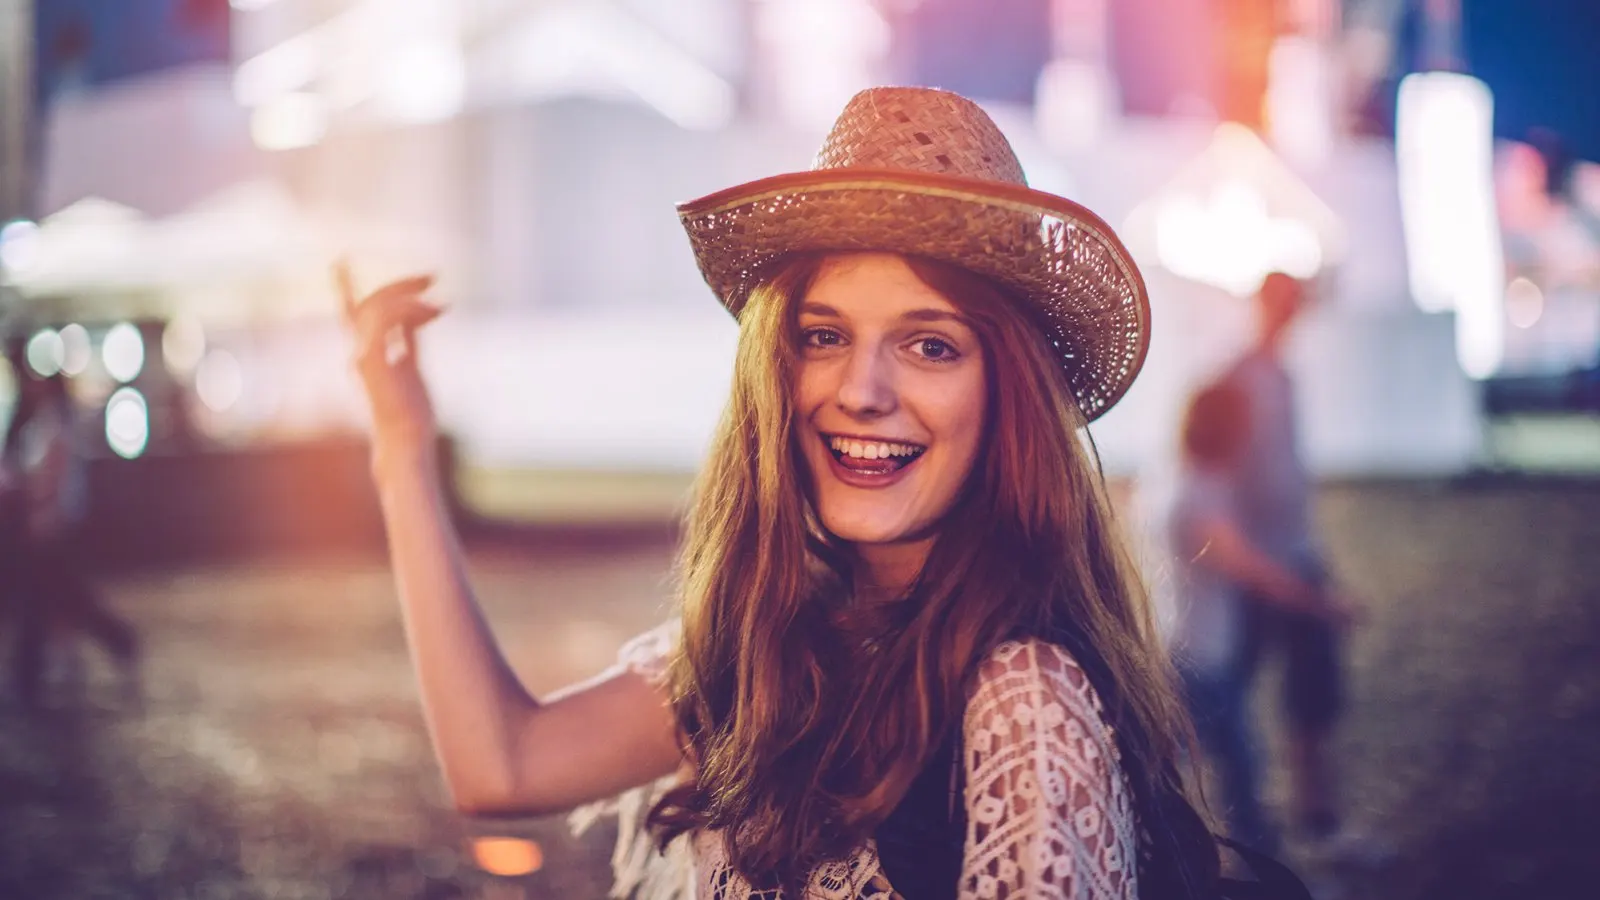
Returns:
(532, 150)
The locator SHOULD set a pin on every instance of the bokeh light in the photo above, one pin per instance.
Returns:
(122, 351)
(1524, 302)
(424, 82)
(127, 423)
(507, 856)
(1444, 151)
(183, 343)
(19, 242)
(46, 352)
(76, 349)
(219, 381)
(289, 122)
(1231, 240)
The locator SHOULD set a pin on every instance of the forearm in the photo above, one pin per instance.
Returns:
(501, 751)
(474, 705)
(1230, 553)
(1278, 585)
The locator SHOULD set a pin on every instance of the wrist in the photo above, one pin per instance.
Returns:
(395, 459)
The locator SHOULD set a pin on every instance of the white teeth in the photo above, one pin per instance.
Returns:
(871, 449)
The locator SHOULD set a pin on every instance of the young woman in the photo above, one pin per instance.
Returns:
(912, 660)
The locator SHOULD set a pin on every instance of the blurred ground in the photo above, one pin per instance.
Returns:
(573, 497)
(281, 753)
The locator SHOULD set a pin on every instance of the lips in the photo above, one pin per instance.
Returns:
(870, 463)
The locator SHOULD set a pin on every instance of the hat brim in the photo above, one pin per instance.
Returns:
(1079, 281)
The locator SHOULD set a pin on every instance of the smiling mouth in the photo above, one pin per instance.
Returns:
(872, 457)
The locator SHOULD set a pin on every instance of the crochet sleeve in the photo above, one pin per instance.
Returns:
(1048, 809)
(640, 871)
(650, 653)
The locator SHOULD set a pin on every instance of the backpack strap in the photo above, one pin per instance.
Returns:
(920, 843)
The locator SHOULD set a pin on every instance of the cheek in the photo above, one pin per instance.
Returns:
(809, 395)
(971, 441)
(962, 412)
(810, 389)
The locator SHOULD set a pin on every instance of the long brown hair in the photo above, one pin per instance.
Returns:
(807, 716)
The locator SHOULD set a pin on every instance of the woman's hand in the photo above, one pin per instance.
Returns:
(384, 326)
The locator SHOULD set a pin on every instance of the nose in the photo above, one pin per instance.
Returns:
(866, 384)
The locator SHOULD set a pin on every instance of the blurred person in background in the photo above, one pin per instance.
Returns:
(1271, 489)
(44, 499)
(1214, 562)
(913, 660)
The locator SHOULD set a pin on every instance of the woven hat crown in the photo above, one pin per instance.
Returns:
(920, 130)
(927, 173)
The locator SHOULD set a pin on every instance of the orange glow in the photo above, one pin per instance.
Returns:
(1248, 29)
(507, 856)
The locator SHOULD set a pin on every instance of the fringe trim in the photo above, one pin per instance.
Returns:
(639, 871)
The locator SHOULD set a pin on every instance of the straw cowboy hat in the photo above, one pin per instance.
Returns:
(927, 173)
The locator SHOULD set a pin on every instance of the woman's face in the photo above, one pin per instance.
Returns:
(890, 399)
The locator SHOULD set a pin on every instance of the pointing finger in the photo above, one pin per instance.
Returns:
(346, 289)
(412, 286)
(394, 305)
(396, 320)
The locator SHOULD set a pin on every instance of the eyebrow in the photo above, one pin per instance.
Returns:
(925, 314)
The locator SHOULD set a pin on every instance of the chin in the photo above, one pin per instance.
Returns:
(869, 526)
(867, 533)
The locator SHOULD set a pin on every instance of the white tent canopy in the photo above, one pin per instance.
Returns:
(1233, 214)
(91, 245)
(247, 253)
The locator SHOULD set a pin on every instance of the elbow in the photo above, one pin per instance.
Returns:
(481, 791)
(487, 803)
(479, 808)
(476, 807)
(484, 782)
(496, 800)
(474, 801)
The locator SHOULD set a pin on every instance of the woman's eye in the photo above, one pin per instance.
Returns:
(821, 337)
(936, 350)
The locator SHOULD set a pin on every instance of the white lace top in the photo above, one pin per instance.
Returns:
(1049, 813)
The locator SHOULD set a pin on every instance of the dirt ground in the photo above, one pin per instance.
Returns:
(280, 752)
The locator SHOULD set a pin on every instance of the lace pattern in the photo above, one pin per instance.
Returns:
(1049, 811)
(860, 877)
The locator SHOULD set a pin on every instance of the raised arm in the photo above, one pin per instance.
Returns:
(501, 750)
(1049, 815)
